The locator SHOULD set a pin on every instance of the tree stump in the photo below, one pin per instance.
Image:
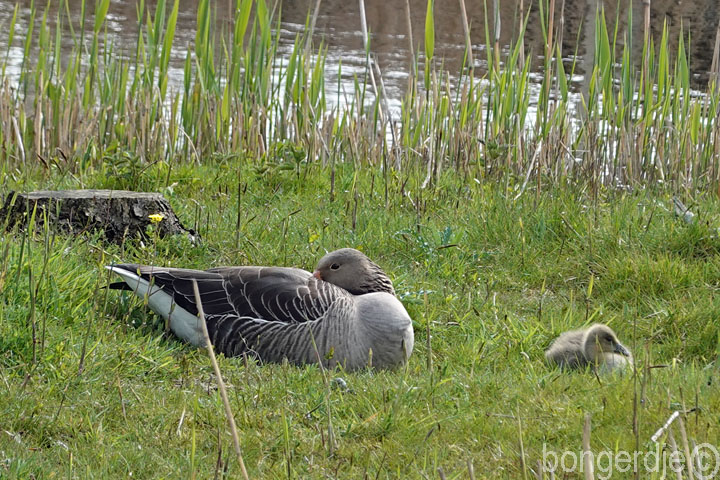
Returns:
(119, 213)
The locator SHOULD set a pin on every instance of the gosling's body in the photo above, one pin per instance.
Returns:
(596, 346)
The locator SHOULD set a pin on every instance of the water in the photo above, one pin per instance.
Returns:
(338, 25)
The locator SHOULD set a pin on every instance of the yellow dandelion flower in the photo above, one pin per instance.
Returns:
(156, 217)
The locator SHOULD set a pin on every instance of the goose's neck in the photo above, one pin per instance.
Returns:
(377, 281)
(593, 352)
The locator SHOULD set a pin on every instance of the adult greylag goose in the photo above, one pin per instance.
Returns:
(344, 313)
(597, 346)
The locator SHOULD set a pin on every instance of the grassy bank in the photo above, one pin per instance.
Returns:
(497, 235)
(492, 280)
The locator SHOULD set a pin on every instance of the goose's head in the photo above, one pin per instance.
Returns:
(352, 270)
(600, 340)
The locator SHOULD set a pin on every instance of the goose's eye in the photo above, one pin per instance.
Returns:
(334, 266)
(608, 338)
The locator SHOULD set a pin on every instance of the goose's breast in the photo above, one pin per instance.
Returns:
(385, 327)
(612, 362)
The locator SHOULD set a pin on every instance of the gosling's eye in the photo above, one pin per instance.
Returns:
(608, 338)
(334, 266)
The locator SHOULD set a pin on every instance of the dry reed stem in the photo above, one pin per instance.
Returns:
(523, 466)
(549, 44)
(715, 68)
(429, 364)
(122, 402)
(466, 29)
(385, 114)
(686, 448)
(560, 31)
(540, 472)
(221, 383)
(674, 449)
(530, 169)
(521, 19)
(18, 136)
(646, 376)
(635, 421)
(497, 27)
(308, 40)
(587, 453)
(695, 461)
(646, 23)
(323, 371)
(410, 39)
(471, 469)
(363, 24)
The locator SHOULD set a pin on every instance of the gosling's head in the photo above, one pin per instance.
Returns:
(600, 340)
(352, 270)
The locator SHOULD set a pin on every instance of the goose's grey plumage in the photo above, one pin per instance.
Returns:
(347, 308)
(597, 346)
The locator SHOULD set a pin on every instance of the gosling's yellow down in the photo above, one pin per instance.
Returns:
(597, 346)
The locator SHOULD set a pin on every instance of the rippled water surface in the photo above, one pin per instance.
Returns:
(338, 25)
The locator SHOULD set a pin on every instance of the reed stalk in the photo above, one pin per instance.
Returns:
(88, 108)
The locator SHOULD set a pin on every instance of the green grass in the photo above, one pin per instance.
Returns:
(516, 275)
(498, 236)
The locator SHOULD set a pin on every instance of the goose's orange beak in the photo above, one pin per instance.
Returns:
(317, 275)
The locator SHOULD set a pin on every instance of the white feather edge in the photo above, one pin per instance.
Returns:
(183, 323)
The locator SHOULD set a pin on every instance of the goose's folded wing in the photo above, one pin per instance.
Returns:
(277, 293)
(287, 295)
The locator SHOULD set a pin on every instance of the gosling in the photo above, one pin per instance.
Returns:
(597, 346)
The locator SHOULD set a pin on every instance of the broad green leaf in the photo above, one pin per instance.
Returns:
(429, 32)
(100, 14)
